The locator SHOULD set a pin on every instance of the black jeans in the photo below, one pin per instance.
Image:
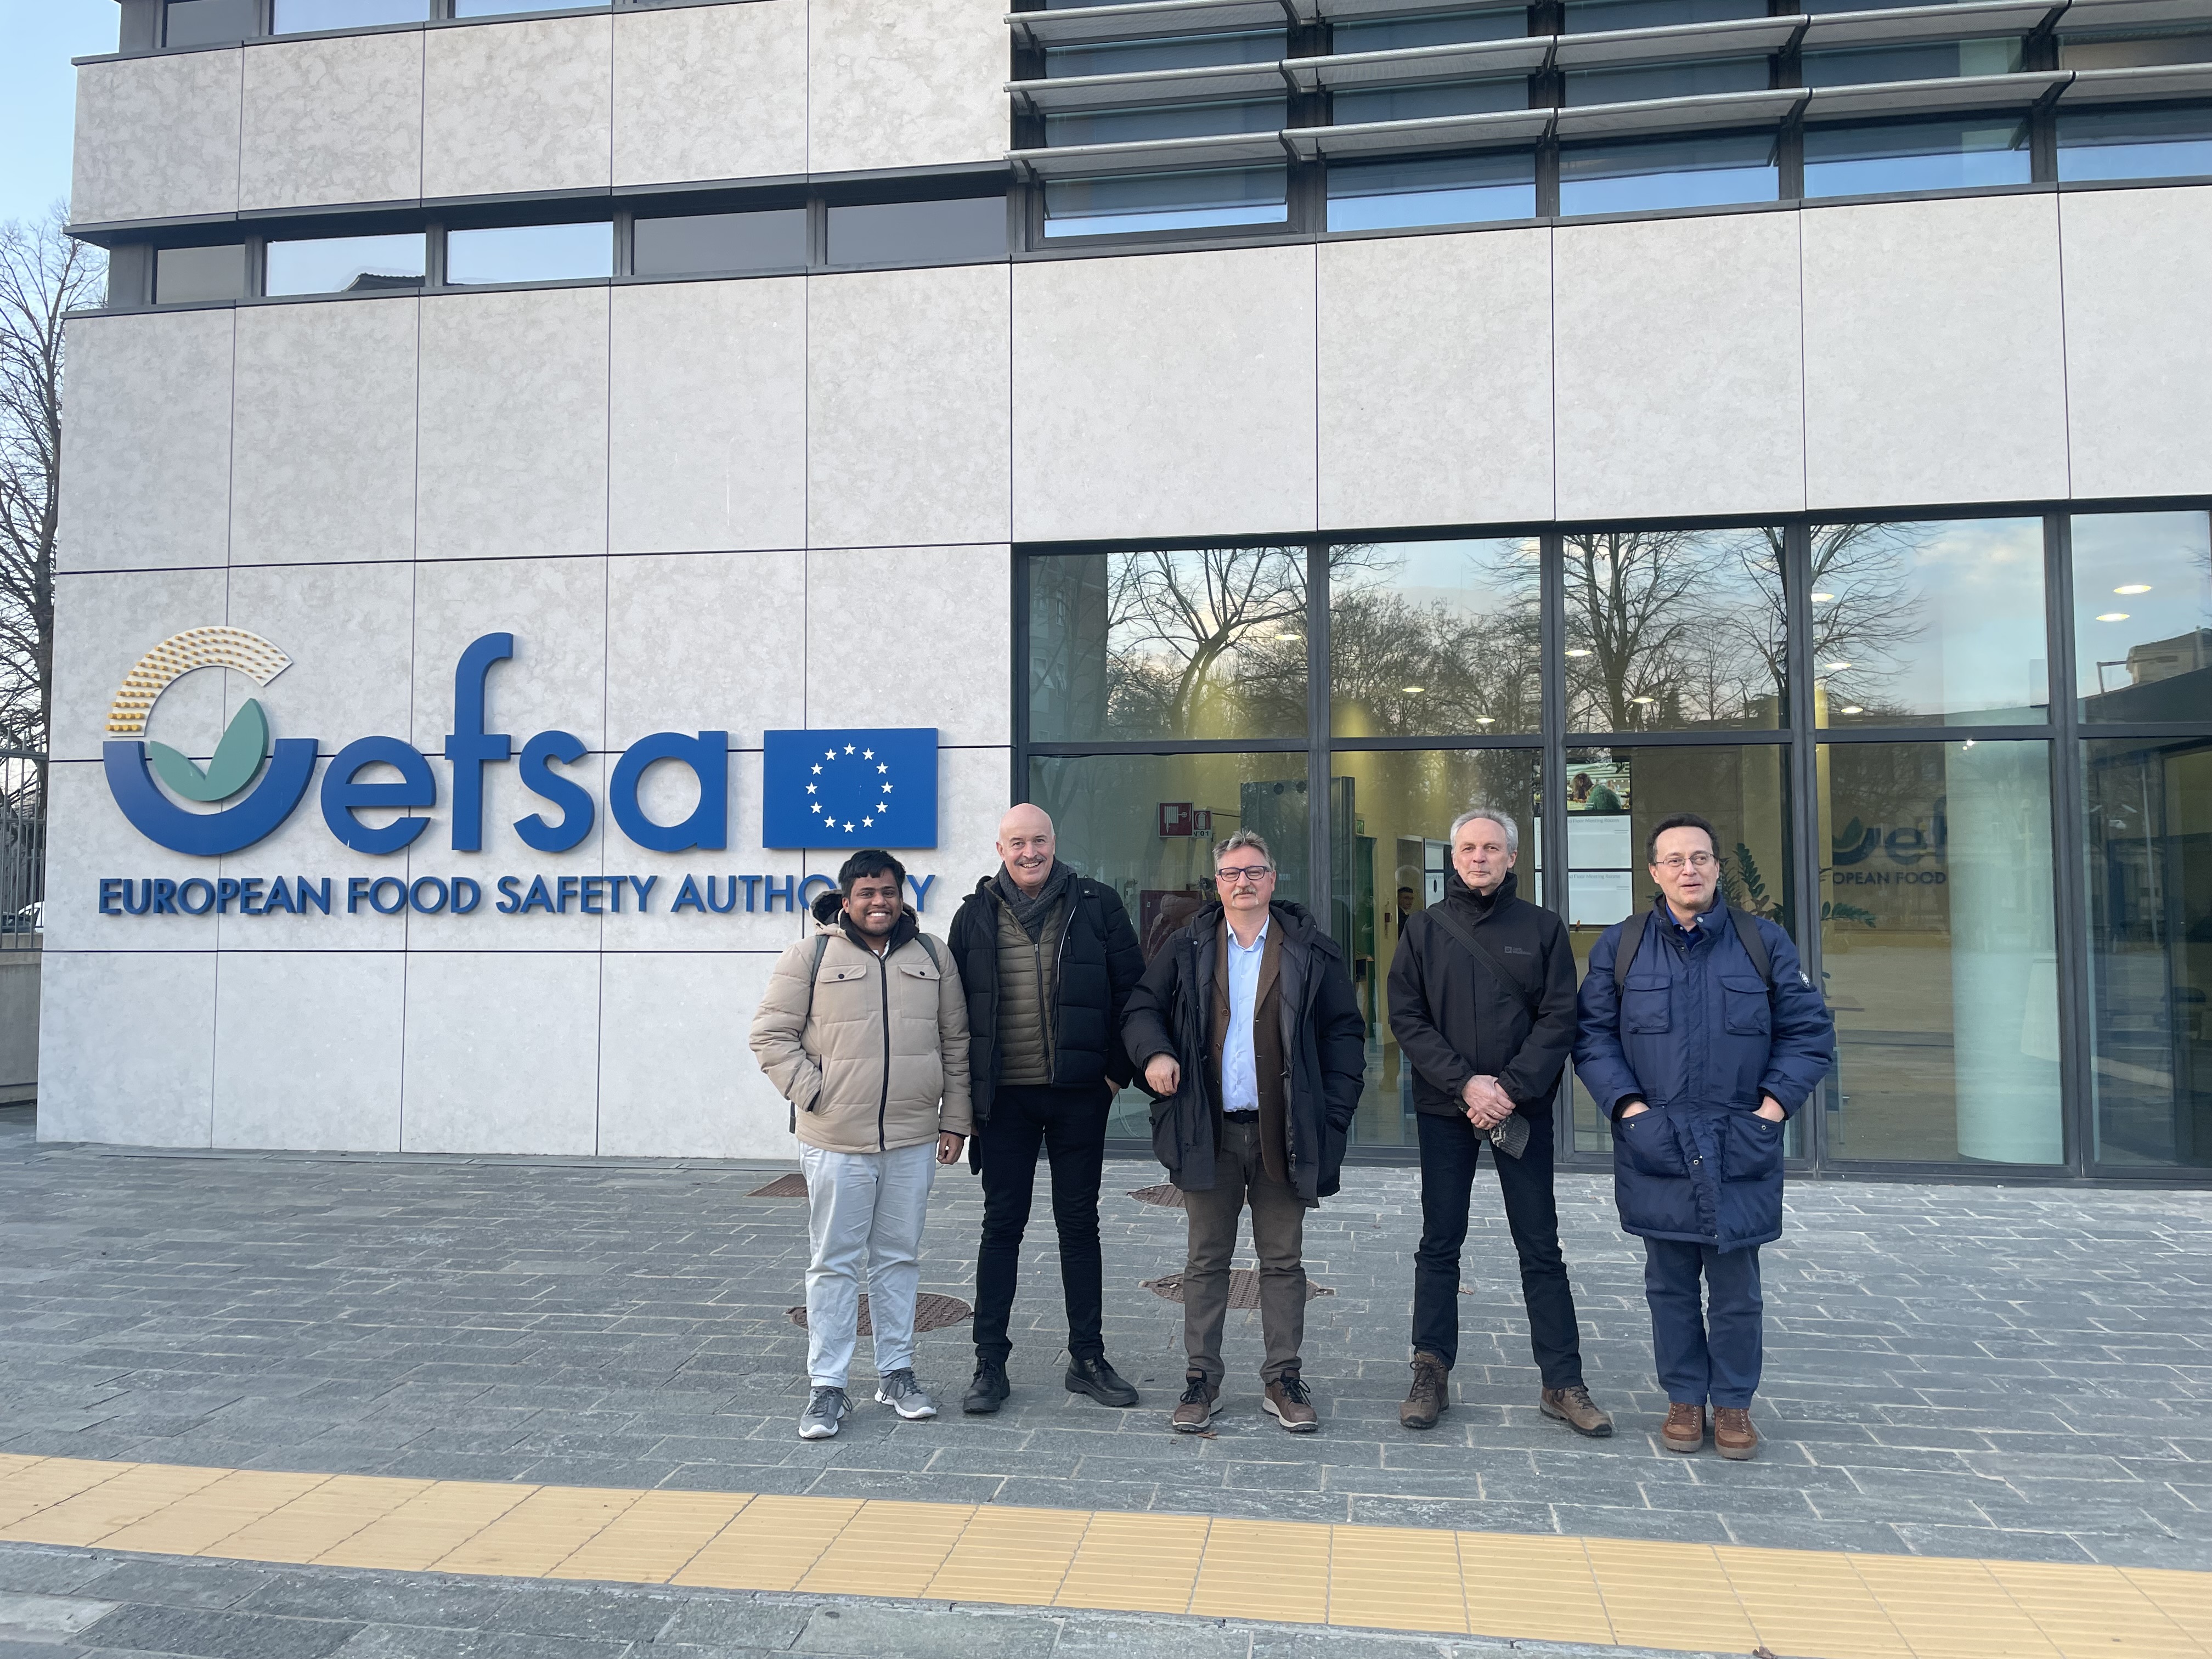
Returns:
(1451, 1150)
(1070, 1124)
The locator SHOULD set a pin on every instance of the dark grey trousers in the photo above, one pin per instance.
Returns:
(1279, 1226)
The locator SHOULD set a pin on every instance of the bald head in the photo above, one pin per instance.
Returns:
(1026, 848)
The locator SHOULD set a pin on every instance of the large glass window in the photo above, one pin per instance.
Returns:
(1440, 29)
(1938, 624)
(182, 274)
(1130, 126)
(1584, 16)
(922, 233)
(1946, 154)
(682, 245)
(1710, 171)
(497, 8)
(1207, 642)
(1635, 82)
(2132, 48)
(2135, 143)
(1390, 814)
(1422, 103)
(530, 253)
(1674, 629)
(1445, 191)
(345, 264)
(1938, 952)
(1159, 202)
(1930, 60)
(1181, 51)
(2147, 817)
(209, 22)
(2142, 615)
(1431, 638)
(296, 16)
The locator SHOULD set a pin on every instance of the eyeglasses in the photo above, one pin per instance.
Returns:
(1696, 861)
(1237, 875)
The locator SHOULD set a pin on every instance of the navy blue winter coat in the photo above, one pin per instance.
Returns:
(1696, 1033)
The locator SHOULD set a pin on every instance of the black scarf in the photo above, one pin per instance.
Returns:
(1031, 913)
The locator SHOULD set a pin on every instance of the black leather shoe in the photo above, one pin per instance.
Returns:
(1100, 1381)
(989, 1391)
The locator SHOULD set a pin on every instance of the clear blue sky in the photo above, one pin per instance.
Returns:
(37, 95)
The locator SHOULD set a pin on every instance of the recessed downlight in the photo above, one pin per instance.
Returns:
(1824, 599)
(1853, 708)
(2114, 616)
(2134, 587)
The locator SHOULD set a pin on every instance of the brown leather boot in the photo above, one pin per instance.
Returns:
(1685, 1428)
(1430, 1396)
(1573, 1406)
(1734, 1437)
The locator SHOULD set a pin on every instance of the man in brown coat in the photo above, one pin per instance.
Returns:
(864, 1031)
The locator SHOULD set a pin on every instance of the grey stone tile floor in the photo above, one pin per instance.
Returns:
(2004, 1372)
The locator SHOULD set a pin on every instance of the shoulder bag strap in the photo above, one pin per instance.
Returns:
(1452, 924)
(1624, 949)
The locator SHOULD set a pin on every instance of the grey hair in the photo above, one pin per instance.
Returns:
(1251, 838)
(1497, 817)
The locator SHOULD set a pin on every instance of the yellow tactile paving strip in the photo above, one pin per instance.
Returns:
(1806, 1604)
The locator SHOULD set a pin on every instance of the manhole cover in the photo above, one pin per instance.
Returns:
(1167, 1197)
(1243, 1288)
(931, 1312)
(790, 1186)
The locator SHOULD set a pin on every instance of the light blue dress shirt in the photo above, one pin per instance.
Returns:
(1240, 1072)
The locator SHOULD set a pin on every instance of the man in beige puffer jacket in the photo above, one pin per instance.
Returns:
(864, 1030)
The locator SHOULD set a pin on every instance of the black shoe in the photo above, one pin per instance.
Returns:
(1100, 1381)
(989, 1391)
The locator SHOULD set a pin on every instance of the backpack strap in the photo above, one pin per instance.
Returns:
(813, 973)
(929, 948)
(1533, 1000)
(1624, 948)
(1754, 944)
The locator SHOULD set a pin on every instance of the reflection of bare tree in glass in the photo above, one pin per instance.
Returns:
(1180, 619)
(1864, 606)
(1413, 668)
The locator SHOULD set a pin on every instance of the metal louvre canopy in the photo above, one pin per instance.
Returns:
(1934, 97)
(1240, 149)
(1362, 10)
(1081, 26)
(1501, 130)
(1830, 31)
(1708, 111)
(1745, 37)
(2085, 16)
(1213, 83)
(2156, 81)
(1417, 65)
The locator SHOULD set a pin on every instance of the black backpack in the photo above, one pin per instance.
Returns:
(1747, 932)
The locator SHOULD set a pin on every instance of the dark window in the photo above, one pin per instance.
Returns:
(1946, 154)
(1640, 81)
(2142, 617)
(530, 253)
(1183, 52)
(690, 243)
(1445, 191)
(1118, 126)
(1443, 29)
(209, 22)
(1590, 16)
(1166, 201)
(296, 16)
(2132, 49)
(497, 8)
(1935, 60)
(182, 274)
(2135, 143)
(345, 264)
(1420, 103)
(922, 233)
(1668, 173)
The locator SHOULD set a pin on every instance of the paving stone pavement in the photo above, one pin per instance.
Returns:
(2015, 1372)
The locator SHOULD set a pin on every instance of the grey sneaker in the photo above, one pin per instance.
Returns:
(825, 1409)
(903, 1394)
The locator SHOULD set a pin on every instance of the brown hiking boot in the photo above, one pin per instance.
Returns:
(1734, 1437)
(1573, 1406)
(1430, 1396)
(1685, 1428)
(1200, 1400)
(1290, 1402)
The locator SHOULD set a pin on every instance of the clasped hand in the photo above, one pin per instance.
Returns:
(1487, 1104)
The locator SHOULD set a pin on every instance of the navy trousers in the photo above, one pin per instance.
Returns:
(1708, 1348)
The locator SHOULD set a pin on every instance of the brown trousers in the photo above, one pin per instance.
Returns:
(1279, 1225)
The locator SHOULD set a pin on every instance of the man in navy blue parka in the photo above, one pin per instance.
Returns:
(1699, 1060)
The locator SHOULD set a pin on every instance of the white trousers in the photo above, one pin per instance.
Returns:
(863, 1207)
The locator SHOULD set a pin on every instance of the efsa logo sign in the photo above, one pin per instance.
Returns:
(861, 773)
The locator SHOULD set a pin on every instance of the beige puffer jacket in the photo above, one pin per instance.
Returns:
(831, 1064)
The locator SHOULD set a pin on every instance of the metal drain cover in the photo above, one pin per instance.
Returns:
(931, 1312)
(1243, 1288)
(790, 1186)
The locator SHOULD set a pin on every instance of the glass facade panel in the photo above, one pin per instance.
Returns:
(1129, 126)
(1350, 108)
(1182, 642)
(1938, 952)
(688, 244)
(2133, 49)
(1180, 52)
(1146, 825)
(209, 22)
(1711, 171)
(1166, 202)
(924, 233)
(1587, 17)
(345, 264)
(1639, 82)
(1614, 798)
(1441, 29)
(1430, 638)
(2142, 615)
(2135, 143)
(2147, 817)
(501, 8)
(1950, 154)
(182, 274)
(1390, 815)
(1939, 624)
(1931, 60)
(1675, 630)
(530, 253)
(296, 16)
(1450, 191)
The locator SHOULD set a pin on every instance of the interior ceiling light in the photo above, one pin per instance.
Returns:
(2134, 587)
(1416, 690)
(1647, 701)
(1853, 708)
(1288, 636)
(1824, 599)
(1837, 667)
(2114, 615)
(1485, 720)
(1578, 653)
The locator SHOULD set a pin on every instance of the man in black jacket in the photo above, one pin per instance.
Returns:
(1482, 1002)
(1047, 959)
(1251, 1042)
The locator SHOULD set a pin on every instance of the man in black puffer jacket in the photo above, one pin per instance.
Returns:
(1049, 959)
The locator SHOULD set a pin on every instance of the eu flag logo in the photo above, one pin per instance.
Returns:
(842, 789)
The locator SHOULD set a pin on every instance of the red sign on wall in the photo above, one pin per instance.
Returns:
(1176, 817)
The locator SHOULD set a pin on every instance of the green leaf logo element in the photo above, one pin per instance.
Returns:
(237, 758)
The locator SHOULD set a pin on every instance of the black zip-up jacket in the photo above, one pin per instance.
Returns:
(1099, 965)
(1324, 1047)
(1454, 1020)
